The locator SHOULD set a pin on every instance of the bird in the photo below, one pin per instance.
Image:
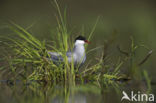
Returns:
(77, 55)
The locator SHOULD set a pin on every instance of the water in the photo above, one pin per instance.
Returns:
(35, 92)
(20, 93)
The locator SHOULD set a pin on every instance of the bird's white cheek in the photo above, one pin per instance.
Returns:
(79, 42)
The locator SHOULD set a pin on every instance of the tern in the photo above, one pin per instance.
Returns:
(77, 55)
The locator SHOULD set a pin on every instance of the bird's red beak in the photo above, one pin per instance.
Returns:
(86, 41)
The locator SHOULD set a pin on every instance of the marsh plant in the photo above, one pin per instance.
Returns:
(29, 59)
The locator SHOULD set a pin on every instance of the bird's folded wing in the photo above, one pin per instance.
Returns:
(56, 57)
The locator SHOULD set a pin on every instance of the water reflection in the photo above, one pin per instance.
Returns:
(36, 92)
(39, 93)
(76, 98)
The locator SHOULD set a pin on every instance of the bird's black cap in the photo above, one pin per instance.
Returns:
(80, 38)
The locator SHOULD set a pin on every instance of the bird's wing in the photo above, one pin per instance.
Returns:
(69, 56)
(56, 57)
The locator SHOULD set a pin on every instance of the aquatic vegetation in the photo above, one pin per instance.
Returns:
(29, 61)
